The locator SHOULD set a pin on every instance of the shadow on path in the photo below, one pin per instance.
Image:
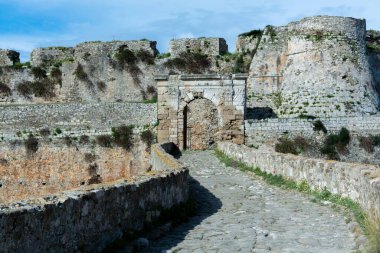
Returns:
(206, 205)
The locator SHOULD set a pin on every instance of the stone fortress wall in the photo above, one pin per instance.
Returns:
(358, 182)
(8, 57)
(261, 131)
(208, 46)
(92, 218)
(317, 66)
(74, 118)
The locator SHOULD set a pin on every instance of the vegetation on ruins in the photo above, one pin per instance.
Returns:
(4, 89)
(335, 143)
(80, 73)
(319, 126)
(31, 145)
(271, 32)
(252, 33)
(122, 136)
(38, 73)
(368, 143)
(240, 65)
(56, 73)
(104, 141)
(145, 56)
(147, 137)
(125, 56)
(20, 65)
(84, 139)
(287, 146)
(188, 62)
(163, 56)
(89, 157)
(101, 86)
(44, 132)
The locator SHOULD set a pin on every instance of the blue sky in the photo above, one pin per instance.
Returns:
(27, 24)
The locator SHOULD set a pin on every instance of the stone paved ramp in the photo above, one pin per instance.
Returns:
(241, 214)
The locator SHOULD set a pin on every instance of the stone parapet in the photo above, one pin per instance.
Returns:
(359, 182)
(92, 218)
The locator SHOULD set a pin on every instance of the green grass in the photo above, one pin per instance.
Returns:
(370, 229)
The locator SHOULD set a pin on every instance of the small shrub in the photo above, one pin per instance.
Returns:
(31, 145)
(193, 63)
(43, 88)
(240, 66)
(56, 74)
(286, 146)
(67, 140)
(101, 86)
(125, 56)
(163, 56)
(145, 56)
(301, 143)
(367, 144)
(151, 101)
(25, 89)
(88, 157)
(38, 73)
(80, 73)
(44, 132)
(336, 142)
(319, 126)
(58, 131)
(94, 176)
(253, 33)
(123, 136)
(5, 89)
(151, 90)
(344, 136)
(84, 139)
(147, 137)
(329, 150)
(104, 141)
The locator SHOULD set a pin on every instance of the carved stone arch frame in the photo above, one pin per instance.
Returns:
(227, 94)
(183, 104)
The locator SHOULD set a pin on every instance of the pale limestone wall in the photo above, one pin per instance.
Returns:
(75, 118)
(99, 62)
(227, 94)
(261, 131)
(57, 167)
(47, 57)
(358, 182)
(208, 46)
(316, 66)
(8, 57)
(90, 219)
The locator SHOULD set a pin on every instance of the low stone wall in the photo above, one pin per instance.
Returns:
(71, 116)
(88, 220)
(259, 131)
(358, 182)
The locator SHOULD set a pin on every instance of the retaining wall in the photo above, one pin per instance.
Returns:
(258, 131)
(88, 220)
(71, 116)
(358, 182)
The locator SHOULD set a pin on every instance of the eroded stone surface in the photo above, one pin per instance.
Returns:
(238, 213)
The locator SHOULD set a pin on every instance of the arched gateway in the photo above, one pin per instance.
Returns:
(196, 111)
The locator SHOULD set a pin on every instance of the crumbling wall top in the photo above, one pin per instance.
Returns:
(208, 46)
(8, 57)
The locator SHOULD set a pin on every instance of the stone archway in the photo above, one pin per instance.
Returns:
(200, 124)
(196, 111)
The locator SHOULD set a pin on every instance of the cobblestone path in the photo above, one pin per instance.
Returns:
(238, 213)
